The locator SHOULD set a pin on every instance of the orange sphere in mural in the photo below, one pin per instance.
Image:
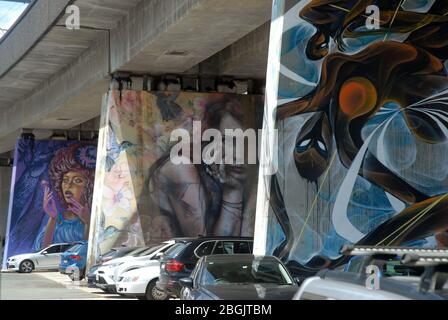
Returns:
(357, 96)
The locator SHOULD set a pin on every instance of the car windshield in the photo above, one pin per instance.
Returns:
(75, 248)
(150, 250)
(245, 272)
(137, 252)
(109, 254)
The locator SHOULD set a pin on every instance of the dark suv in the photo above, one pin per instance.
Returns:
(179, 261)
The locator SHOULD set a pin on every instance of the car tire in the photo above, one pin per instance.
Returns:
(26, 266)
(152, 293)
(81, 276)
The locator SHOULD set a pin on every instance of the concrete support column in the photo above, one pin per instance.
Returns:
(5, 188)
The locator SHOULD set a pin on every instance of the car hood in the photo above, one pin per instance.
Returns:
(252, 291)
(136, 264)
(146, 272)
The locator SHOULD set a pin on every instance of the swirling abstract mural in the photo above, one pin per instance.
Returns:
(363, 122)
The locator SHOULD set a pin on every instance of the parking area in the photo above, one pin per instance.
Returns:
(48, 286)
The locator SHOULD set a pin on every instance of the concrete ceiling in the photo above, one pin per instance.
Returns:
(54, 78)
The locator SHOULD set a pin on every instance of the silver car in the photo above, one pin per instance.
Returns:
(45, 259)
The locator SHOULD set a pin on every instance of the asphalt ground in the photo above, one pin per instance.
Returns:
(48, 286)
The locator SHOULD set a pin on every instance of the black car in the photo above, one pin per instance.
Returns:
(111, 254)
(242, 277)
(179, 261)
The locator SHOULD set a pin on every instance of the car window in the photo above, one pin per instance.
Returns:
(54, 249)
(174, 250)
(232, 247)
(205, 249)
(244, 272)
(65, 247)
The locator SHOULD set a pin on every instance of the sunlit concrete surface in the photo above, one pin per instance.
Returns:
(47, 286)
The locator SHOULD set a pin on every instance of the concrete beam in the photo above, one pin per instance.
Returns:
(65, 100)
(246, 58)
(27, 31)
(172, 36)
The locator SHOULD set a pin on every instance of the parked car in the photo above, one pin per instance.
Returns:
(105, 271)
(45, 259)
(141, 283)
(402, 274)
(74, 260)
(179, 261)
(109, 273)
(110, 255)
(150, 257)
(336, 285)
(239, 277)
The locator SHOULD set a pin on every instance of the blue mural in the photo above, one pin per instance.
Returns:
(362, 115)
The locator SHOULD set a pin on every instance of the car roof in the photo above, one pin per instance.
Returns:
(237, 257)
(63, 243)
(408, 289)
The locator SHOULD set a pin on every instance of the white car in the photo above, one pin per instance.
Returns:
(141, 283)
(45, 259)
(109, 272)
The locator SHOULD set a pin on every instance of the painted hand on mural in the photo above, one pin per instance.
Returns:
(49, 205)
(82, 211)
(204, 199)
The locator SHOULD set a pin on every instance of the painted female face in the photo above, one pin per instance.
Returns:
(73, 186)
(236, 170)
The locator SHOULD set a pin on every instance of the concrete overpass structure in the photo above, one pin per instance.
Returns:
(53, 78)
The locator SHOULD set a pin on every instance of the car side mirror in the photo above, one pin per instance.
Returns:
(186, 283)
(44, 252)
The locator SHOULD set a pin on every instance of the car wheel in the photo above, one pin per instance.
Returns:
(26, 266)
(72, 276)
(81, 276)
(152, 293)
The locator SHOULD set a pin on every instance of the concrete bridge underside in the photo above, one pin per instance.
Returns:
(54, 78)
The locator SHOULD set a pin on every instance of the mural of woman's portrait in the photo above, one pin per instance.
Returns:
(200, 199)
(146, 197)
(72, 173)
(52, 194)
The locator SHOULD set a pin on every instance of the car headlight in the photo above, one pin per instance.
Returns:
(130, 279)
(114, 265)
(12, 259)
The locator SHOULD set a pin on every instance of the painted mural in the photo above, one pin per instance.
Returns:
(143, 197)
(363, 119)
(52, 188)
